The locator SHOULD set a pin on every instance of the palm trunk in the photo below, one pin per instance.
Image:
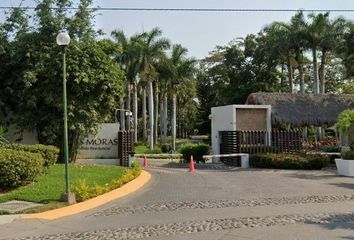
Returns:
(165, 101)
(174, 106)
(315, 73)
(127, 117)
(122, 116)
(135, 111)
(302, 78)
(144, 114)
(290, 75)
(322, 73)
(161, 119)
(156, 94)
(151, 114)
(282, 78)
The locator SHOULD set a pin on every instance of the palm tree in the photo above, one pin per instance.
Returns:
(152, 48)
(164, 73)
(130, 62)
(181, 68)
(330, 41)
(278, 35)
(297, 30)
(314, 35)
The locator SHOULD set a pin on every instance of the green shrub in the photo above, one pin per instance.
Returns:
(331, 148)
(82, 191)
(196, 150)
(156, 150)
(166, 148)
(50, 153)
(289, 161)
(18, 168)
(317, 161)
(347, 154)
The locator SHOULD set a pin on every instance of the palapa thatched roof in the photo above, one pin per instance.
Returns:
(303, 109)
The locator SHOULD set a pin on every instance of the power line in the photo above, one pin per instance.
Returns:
(192, 9)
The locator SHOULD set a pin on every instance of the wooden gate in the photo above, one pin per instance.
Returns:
(253, 142)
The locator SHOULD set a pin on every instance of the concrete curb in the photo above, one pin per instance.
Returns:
(94, 202)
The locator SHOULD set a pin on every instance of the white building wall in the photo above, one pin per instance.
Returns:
(222, 119)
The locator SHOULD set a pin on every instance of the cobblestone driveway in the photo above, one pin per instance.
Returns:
(213, 203)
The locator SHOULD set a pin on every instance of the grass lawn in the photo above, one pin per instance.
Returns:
(49, 187)
(140, 149)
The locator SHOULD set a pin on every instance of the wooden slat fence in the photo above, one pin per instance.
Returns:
(253, 142)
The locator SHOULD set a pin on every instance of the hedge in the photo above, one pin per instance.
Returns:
(50, 153)
(289, 161)
(197, 150)
(18, 168)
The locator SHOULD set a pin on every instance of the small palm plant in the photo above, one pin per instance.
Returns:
(345, 124)
(3, 135)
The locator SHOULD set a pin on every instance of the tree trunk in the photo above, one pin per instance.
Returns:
(156, 120)
(73, 147)
(173, 124)
(165, 102)
(151, 114)
(282, 80)
(322, 73)
(290, 75)
(122, 116)
(135, 111)
(144, 114)
(161, 119)
(127, 117)
(316, 89)
(302, 78)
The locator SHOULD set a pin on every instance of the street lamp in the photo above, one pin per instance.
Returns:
(126, 113)
(63, 40)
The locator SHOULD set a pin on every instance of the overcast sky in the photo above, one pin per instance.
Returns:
(200, 32)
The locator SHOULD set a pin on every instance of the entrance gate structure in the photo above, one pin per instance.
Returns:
(125, 147)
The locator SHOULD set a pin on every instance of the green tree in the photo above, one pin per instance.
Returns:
(33, 94)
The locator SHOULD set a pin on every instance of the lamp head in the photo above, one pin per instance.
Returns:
(63, 39)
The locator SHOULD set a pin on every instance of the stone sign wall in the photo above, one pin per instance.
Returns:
(103, 145)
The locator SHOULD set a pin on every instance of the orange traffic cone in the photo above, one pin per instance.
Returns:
(145, 162)
(191, 165)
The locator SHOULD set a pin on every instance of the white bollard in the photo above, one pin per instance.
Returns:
(245, 161)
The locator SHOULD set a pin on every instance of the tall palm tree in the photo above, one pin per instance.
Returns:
(164, 69)
(330, 42)
(152, 48)
(278, 37)
(314, 35)
(297, 31)
(181, 68)
(131, 65)
(130, 60)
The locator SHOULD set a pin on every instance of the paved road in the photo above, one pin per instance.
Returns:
(213, 203)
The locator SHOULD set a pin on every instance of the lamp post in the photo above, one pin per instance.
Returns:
(126, 112)
(63, 39)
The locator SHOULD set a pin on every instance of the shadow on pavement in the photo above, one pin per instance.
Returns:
(344, 185)
(313, 175)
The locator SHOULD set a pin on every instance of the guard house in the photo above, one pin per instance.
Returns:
(238, 118)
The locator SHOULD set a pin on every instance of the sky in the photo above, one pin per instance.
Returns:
(200, 32)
